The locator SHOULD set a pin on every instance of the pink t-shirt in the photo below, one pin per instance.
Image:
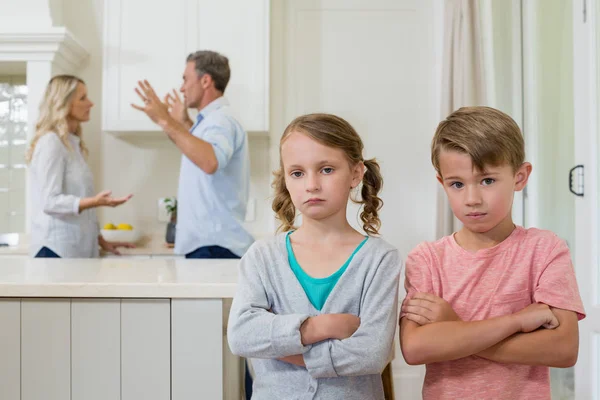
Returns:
(530, 266)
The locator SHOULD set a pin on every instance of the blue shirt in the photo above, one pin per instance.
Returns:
(317, 289)
(212, 208)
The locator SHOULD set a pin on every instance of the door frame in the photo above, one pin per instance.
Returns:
(585, 52)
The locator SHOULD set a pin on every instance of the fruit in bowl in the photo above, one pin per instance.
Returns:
(120, 233)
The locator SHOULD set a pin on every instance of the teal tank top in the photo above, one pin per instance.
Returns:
(317, 289)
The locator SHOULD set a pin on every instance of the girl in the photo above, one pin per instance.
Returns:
(316, 306)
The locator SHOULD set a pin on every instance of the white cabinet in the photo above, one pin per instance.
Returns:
(143, 41)
(127, 349)
(45, 349)
(145, 349)
(95, 349)
(240, 30)
(10, 349)
(193, 322)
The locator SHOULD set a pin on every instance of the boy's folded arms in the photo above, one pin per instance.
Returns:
(528, 334)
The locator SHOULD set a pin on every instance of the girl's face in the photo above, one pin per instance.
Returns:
(319, 178)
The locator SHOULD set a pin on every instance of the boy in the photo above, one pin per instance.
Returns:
(491, 307)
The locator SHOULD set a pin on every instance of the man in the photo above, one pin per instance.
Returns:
(214, 178)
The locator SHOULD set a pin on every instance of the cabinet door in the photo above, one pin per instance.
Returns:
(10, 349)
(95, 349)
(196, 349)
(45, 349)
(239, 29)
(145, 349)
(142, 41)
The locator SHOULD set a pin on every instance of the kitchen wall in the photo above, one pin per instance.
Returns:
(146, 167)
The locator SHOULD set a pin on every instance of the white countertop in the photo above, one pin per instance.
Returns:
(148, 245)
(117, 278)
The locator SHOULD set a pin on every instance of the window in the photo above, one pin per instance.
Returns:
(13, 144)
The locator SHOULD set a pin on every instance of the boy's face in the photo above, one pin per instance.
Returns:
(481, 200)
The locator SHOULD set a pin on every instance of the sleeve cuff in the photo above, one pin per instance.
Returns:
(76, 205)
(565, 305)
(285, 334)
(318, 360)
(220, 156)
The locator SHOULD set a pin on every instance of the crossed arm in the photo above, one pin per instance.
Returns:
(431, 332)
(328, 345)
(549, 347)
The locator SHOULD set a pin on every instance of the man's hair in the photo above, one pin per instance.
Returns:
(214, 64)
(488, 136)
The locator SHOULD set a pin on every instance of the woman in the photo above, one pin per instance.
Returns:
(64, 222)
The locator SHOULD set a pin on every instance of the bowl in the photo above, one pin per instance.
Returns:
(121, 235)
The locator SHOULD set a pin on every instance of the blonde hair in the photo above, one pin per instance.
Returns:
(331, 131)
(488, 136)
(54, 110)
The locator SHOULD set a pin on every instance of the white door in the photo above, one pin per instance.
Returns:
(560, 78)
(586, 95)
(376, 64)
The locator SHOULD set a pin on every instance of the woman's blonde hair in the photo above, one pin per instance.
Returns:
(331, 131)
(54, 110)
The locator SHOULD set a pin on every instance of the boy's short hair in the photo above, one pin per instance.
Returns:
(487, 135)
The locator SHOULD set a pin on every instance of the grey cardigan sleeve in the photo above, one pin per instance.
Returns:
(50, 164)
(253, 331)
(368, 350)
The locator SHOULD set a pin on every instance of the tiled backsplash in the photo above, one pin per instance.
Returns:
(150, 170)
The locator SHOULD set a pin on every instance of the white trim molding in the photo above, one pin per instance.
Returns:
(56, 45)
(46, 52)
(531, 130)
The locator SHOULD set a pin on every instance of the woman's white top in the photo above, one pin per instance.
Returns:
(59, 178)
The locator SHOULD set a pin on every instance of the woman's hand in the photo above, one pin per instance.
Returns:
(102, 199)
(112, 247)
(105, 199)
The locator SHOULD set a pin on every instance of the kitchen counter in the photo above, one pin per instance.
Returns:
(118, 278)
(148, 245)
(114, 328)
(151, 245)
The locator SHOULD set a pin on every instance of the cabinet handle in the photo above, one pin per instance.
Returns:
(578, 191)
